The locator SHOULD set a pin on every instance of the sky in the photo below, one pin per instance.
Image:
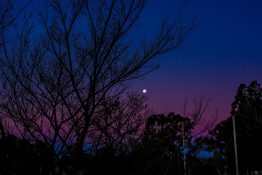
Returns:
(223, 51)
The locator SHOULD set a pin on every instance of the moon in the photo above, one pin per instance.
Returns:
(144, 91)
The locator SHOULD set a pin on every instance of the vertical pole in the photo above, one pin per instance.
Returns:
(235, 145)
(184, 154)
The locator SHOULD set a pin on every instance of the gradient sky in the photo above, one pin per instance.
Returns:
(224, 50)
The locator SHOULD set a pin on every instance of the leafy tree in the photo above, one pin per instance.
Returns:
(160, 150)
(247, 110)
(206, 157)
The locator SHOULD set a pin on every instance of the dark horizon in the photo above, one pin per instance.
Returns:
(81, 91)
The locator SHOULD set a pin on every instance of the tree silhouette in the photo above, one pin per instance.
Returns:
(120, 122)
(247, 109)
(206, 156)
(8, 16)
(55, 86)
(19, 156)
(162, 147)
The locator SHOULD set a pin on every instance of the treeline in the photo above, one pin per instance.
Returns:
(166, 146)
(64, 107)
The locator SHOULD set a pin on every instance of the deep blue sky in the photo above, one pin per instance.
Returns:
(224, 50)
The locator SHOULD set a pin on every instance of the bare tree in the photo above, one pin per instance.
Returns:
(55, 88)
(198, 125)
(196, 115)
(8, 16)
(120, 122)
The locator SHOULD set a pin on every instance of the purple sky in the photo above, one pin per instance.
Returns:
(224, 50)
